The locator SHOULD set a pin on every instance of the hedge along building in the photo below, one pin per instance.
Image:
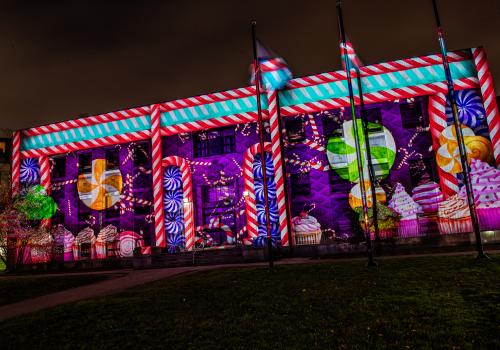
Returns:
(169, 171)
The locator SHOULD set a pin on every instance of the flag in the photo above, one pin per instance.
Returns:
(353, 59)
(274, 70)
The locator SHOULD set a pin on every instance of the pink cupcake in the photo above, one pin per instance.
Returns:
(486, 187)
(405, 206)
(428, 195)
(454, 216)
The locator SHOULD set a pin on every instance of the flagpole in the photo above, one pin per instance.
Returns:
(371, 172)
(371, 260)
(460, 136)
(256, 67)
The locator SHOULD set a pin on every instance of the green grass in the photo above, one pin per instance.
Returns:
(431, 302)
(14, 289)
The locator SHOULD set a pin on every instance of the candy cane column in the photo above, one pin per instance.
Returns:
(437, 121)
(272, 98)
(156, 154)
(248, 180)
(45, 180)
(16, 162)
(187, 196)
(489, 99)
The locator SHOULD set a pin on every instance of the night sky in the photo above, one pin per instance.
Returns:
(64, 59)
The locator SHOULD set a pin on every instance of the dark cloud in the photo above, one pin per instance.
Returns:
(61, 59)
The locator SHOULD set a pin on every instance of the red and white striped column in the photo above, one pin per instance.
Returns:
(272, 100)
(16, 162)
(489, 99)
(437, 121)
(44, 163)
(156, 154)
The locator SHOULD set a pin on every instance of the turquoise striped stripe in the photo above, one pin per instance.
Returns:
(87, 133)
(212, 110)
(411, 77)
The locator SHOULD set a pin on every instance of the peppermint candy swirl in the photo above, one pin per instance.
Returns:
(273, 212)
(261, 240)
(470, 108)
(30, 171)
(174, 224)
(172, 201)
(257, 166)
(175, 241)
(172, 179)
(482, 130)
(259, 190)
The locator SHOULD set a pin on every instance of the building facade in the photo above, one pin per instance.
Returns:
(187, 174)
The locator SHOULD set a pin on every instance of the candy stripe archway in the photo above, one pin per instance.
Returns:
(187, 190)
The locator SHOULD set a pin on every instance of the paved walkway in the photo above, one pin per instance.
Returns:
(133, 278)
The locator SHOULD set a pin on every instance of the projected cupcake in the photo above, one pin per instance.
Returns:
(307, 229)
(86, 239)
(106, 237)
(428, 195)
(486, 187)
(405, 206)
(454, 216)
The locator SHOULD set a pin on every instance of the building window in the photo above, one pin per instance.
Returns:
(421, 167)
(59, 169)
(411, 114)
(214, 142)
(85, 163)
(218, 195)
(112, 159)
(141, 155)
(301, 184)
(113, 212)
(295, 131)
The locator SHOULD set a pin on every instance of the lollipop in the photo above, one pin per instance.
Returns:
(172, 178)
(448, 159)
(174, 223)
(341, 151)
(30, 172)
(469, 107)
(172, 201)
(101, 189)
(449, 135)
(480, 148)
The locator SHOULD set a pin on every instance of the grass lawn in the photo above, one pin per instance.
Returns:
(23, 287)
(438, 302)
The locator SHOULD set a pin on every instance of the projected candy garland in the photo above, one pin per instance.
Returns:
(341, 152)
(102, 188)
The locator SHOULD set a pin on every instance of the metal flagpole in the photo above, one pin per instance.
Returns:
(256, 67)
(371, 172)
(371, 260)
(285, 181)
(460, 137)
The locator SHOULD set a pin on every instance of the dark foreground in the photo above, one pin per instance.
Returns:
(438, 302)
